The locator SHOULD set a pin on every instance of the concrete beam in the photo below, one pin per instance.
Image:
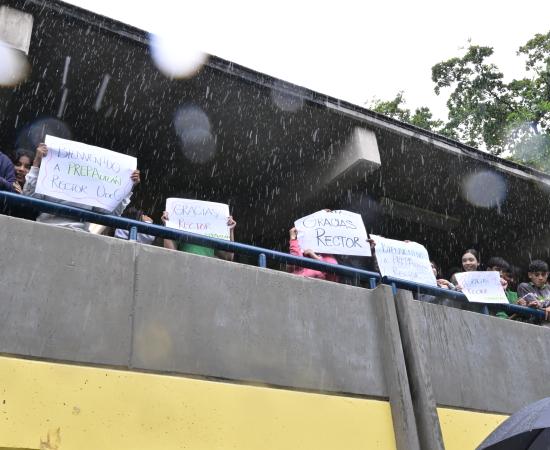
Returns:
(359, 157)
(16, 28)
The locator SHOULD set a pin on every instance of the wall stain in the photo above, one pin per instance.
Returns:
(53, 440)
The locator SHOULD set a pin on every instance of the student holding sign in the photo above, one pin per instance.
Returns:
(199, 217)
(470, 263)
(30, 189)
(536, 293)
(296, 250)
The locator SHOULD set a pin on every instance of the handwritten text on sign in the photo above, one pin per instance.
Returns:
(406, 260)
(482, 287)
(336, 232)
(85, 174)
(199, 217)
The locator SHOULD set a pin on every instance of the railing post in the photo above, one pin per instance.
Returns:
(372, 283)
(133, 234)
(485, 310)
(262, 260)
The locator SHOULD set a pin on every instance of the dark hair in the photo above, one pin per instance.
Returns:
(437, 268)
(473, 252)
(454, 270)
(24, 152)
(497, 261)
(538, 266)
(133, 213)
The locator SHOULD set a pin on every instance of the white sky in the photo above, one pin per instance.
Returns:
(352, 50)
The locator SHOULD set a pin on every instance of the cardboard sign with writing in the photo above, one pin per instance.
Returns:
(84, 174)
(482, 287)
(199, 217)
(406, 260)
(336, 232)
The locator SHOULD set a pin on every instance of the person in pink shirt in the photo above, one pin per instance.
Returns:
(303, 271)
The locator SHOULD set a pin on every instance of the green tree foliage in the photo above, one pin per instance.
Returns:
(422, 117)
(510, 119)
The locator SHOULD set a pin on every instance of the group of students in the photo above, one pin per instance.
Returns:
(534, 294)
(20, 176)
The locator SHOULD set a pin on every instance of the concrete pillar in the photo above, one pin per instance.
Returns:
(395, 371)
(420, 385)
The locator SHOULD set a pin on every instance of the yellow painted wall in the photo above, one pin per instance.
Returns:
(465, 430)
(67, 407)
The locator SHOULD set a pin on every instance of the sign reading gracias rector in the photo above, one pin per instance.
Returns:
(333, 232)
(199, 217)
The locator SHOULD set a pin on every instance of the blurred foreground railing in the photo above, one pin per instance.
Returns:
(261, 254)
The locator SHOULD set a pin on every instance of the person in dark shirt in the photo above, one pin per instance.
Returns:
(7, 179)
(536, 293)
(7, 174)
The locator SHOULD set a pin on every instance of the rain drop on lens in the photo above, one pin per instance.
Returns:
(193, 128)
(36, 132)
(174, 54)
(484, 189)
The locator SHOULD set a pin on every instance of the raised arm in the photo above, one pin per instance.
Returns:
(168, 243)
(32, 177)
(222, 254)
(135, 177)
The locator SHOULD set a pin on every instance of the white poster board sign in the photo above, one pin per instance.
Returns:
(482, 287)
(199, 217)
(84, 174)
(406, 260)
(336, 232)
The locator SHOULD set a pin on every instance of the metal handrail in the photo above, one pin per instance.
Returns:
(262, 254)
(398, 283)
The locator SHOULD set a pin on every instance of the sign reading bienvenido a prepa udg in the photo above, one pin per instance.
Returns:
(84, 174)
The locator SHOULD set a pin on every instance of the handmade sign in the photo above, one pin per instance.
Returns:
(406, 260)
(199, 217)
(84, 174)
(336, 232)
(482, 287)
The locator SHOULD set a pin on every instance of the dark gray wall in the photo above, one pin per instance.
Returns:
(71, 296)
(64, 294)
(479, 362)
(202, 316)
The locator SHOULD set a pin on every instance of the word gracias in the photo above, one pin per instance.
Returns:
(186, 210)
(330, 240)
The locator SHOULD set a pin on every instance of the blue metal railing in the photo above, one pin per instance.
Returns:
(397, 283)
(261, 254)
